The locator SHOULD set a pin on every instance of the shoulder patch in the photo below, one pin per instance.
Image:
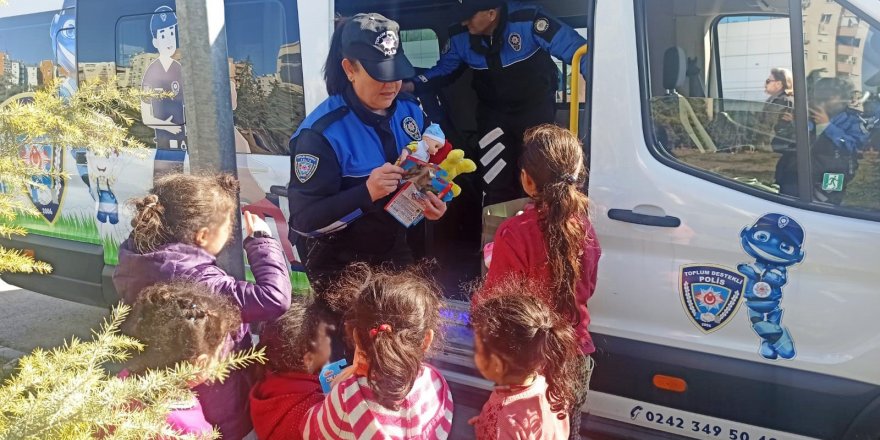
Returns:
(411, 128)
(446, 46)
(541, 25)
(546, 27)
(305, 166)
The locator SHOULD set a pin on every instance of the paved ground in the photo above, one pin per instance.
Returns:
(29, 320)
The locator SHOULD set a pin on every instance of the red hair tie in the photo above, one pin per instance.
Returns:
(382, 328)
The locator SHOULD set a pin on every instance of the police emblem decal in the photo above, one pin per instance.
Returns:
(515, 41)
(710, 294)
(411, 128)
(388, 42)
(306, 165)
(541, 25)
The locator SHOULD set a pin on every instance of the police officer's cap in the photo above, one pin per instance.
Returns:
(465, 9)
(374, 40)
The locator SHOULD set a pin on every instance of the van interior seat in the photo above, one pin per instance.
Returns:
(674, 76)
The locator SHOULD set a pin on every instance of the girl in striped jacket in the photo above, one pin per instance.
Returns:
(389, 392)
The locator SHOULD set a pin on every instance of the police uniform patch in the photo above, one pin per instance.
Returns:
(306, 165)
(446, 46)
(411, 128)
(710, 294)
(515, 41)
(541, 25)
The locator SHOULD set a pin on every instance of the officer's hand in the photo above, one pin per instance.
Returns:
(433, 207)
(408, 87)
(383, 181)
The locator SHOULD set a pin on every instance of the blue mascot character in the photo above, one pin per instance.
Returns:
(776, 242)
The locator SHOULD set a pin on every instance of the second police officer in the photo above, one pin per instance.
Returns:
(508, 46)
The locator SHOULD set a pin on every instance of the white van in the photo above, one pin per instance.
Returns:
(727, 306)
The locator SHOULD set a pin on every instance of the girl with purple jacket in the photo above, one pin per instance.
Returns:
(179, 228)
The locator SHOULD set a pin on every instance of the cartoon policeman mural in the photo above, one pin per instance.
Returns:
(165, 115)
(776, 242)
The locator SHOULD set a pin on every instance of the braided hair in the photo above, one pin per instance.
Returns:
(178, 322)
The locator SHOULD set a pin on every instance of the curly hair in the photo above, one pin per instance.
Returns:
(553, 157)
(406, 307)
(177, 322)
(179, 205)
(290, 337)
(529, 337)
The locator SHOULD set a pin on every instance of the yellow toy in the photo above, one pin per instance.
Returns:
(454, 165)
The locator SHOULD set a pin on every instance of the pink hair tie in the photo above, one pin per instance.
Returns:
(382, 328)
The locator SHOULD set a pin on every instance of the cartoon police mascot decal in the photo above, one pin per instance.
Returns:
(776, 242)
(165, 115)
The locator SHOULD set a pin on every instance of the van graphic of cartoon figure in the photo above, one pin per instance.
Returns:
(165, 74)
(107, 205)
(776, 242)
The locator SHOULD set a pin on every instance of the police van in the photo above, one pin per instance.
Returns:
(727, 305)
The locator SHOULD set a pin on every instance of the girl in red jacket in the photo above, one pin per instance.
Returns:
(552, 242)
(297, 346)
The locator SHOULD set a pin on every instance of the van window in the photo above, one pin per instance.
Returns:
(27, 58)
(421, 46)
(740, 65)
(842, 97)
(737, 137)
(266, 68)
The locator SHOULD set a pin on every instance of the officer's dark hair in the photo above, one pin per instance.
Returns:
(179, 205)
(389, 315)
(178, 322)
(528, 337)
(334, 75)
(553, 157)
(295, 333)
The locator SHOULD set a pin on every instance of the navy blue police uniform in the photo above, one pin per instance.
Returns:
(333, 220)
(515, 81)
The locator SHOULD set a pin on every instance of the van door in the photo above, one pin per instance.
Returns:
(760, 299)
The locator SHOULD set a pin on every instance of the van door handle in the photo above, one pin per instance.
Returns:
(630, 216)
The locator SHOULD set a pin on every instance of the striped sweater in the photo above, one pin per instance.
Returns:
(350, 411)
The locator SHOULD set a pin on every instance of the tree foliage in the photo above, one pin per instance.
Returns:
(97, 117)
(67, 394)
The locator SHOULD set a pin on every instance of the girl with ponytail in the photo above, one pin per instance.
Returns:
(393, 320)
(530, 354)
(178, 230)
(552, 242)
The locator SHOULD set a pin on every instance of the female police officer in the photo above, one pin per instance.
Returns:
(341, 156)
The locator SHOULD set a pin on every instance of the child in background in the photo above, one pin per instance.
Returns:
(181, 322)
(389, 391)
(552, 242)
(179, 228)
(530, 354)
(297, 346)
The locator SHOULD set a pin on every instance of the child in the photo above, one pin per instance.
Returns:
(552, 241)
(179, 228)
(530, 354)
(388, 392)
(297, 345)
(181, 322)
